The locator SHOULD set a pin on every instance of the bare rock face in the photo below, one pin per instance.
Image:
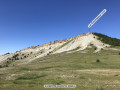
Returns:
(83, 41)
(80, 42)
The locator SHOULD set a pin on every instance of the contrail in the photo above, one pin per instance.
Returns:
(94, 20)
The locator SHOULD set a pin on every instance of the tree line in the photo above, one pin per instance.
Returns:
(108, 40)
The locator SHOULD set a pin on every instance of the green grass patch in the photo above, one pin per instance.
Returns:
(31, 76)
(55, 81)
(25, 69)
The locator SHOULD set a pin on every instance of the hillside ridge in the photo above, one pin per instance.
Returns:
(77, 43)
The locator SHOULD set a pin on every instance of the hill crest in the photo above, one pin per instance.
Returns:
(77, 43)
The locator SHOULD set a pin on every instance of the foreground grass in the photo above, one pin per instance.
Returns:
(66, 68)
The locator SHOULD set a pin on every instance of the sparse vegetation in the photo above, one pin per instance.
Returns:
(75, 49)
(96, 69)
(15, 56)
(8, 58)
(31, 76)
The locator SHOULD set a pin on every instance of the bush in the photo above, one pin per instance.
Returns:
(8, 58)
(17, 58)
(0, 66)
(50, 51)
(119, 53)
(16, 55)
(6, 53)
(6, 65)
(7, 61)
(95, 48)
(97, 60)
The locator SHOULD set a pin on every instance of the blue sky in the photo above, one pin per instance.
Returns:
(25, 23)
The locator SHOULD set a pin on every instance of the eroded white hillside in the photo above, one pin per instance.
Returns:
(81, 41)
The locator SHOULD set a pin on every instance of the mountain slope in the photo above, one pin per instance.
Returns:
(80, 42)
(88, 71)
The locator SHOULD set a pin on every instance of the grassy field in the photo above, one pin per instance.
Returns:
(85, 69)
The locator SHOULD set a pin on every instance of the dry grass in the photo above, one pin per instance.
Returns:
(66, 68)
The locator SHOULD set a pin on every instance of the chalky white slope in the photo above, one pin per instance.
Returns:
(82, 41)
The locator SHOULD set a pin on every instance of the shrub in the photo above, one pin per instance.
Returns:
(6, 53)
(17, 58)
(6, 65)
(41, 52)
(0, 66)
(119, 53)
(7, 61)
(8, 58)
(91, 44)
(50, 51)
(97, 60)
(95, 48)
(16, 55)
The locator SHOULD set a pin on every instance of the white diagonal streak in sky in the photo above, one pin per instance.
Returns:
(97, 18)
